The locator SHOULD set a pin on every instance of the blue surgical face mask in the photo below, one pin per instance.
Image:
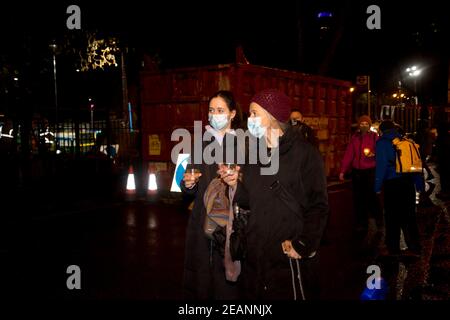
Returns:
(255, 127)
(218, 121)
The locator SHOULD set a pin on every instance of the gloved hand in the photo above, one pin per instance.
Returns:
(240, 222)
(220, 236)
(238, 239)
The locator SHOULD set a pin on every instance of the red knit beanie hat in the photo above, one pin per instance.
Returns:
(365, 118)
(275, 102)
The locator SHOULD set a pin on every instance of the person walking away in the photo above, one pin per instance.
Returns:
(399, 194)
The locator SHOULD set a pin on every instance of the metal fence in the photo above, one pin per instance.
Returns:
(406, 116)
(110, 137)
(38, 150)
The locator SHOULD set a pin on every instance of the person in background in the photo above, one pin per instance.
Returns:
(296, 116)
(399, 195)
(296, 120)
(443, 155)
(204, 271)
(359, 159)
(424, 139)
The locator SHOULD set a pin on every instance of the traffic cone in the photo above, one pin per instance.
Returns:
(152, 189)
(131, 185)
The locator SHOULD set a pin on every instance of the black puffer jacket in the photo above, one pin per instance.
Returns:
(300, 217)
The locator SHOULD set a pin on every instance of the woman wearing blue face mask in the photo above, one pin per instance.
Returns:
(288, 205)
(222, 113)
(204, 270)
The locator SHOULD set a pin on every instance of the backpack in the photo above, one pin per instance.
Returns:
(407, 156)
(217, 205)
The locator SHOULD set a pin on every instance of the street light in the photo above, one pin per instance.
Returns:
(53, 46)
(92, 115)
(414, 72)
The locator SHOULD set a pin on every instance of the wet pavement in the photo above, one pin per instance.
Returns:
(436, 283)
(135, 250)
(124, 250)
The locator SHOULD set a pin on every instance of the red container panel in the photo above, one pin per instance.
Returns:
(176, 98)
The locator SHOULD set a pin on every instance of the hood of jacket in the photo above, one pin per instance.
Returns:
(391, 134)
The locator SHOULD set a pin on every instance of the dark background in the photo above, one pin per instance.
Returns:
(280, 34)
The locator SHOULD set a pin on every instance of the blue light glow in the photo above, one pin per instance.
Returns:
(324, 14)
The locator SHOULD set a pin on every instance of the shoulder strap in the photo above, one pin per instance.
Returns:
(286, 196)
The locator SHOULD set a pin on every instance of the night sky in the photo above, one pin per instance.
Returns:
(281, 34)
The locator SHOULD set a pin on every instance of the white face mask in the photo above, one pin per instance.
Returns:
(255, 127)
(218, 121)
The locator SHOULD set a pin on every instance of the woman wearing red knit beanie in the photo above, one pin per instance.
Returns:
(359, 159)
(288, 207)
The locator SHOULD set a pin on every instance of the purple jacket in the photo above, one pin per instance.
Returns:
(354, 157)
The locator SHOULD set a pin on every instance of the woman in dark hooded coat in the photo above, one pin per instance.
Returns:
(288, 205)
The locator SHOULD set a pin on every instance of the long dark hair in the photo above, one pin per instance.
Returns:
(231, 103)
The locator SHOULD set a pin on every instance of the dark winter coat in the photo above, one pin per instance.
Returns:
(204, 273)
(301, 217)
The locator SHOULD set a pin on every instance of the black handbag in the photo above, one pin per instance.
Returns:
(238, 239)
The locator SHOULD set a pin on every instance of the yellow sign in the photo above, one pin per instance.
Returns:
(154, 145)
